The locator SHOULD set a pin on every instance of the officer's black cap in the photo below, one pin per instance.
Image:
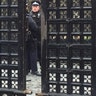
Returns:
(35, 3)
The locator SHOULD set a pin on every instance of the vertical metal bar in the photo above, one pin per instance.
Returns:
(44, 45)
(94, 47)
(21, 8)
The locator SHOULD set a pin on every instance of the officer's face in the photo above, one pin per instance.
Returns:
(35, 8)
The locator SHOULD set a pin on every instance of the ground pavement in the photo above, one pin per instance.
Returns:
(33, 83)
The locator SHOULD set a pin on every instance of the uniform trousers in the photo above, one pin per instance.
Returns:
(32, 56)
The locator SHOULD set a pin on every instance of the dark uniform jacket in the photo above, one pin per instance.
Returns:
(34, 32)
(36, 17)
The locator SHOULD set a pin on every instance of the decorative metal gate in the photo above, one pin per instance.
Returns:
(70, 58)
(12, 76)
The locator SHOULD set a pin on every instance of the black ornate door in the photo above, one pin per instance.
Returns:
(70, 48)
(12, 77)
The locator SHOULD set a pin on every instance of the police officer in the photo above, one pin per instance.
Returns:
(36, 14)
(34, 42)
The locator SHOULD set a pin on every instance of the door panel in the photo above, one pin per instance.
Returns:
(11, 47)
(70, 47)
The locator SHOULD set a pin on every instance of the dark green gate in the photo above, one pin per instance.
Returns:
(12, 76)
(69, 61)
